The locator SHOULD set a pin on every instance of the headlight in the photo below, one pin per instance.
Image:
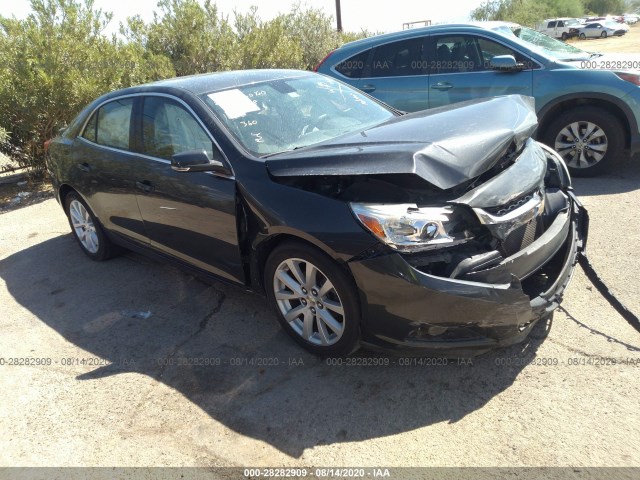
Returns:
(408, 228)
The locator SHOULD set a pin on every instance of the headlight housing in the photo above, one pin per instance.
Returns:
(408, 228)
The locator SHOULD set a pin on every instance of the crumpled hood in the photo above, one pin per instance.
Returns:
(445, 146)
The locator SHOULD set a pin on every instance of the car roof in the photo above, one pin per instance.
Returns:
(210, 82)
(430, 29)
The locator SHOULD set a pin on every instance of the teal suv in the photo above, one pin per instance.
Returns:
(588, 104)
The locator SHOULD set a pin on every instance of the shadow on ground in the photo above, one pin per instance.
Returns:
(265, 386)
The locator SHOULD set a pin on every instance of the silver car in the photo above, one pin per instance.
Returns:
(600, 29)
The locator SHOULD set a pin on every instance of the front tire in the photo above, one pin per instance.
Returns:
(582, 36)
(589, 139)
(315, 300)
(86, 229)
(603, 35)
(564, 36)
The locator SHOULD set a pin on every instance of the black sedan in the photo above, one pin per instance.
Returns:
(443, 230)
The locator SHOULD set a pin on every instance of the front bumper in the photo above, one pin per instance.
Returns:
(407, 310)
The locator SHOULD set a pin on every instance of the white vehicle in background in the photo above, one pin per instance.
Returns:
(618, 25)
(563, 28)
(601, 29)
(631, 18)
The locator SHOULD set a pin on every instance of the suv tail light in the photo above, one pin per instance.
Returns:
(323, 60)
(629, 77)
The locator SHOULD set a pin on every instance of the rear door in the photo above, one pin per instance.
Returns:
(461, 71)
(394, 72)
(103, 161)
(190, 216)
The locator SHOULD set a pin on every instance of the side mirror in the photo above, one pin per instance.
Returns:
(505, 63)
(196, 161)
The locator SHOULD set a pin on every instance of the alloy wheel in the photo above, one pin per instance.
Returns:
(83, 226)
(309, 302)
(581, 144)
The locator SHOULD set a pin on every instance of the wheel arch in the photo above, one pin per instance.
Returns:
(605, 102)
(63, 191)
(262, 248)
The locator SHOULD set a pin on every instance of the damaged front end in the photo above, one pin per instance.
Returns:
(478, 226)
(464, 298)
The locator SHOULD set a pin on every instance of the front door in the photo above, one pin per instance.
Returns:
(396, 73)
(460, 70)
(187, 215)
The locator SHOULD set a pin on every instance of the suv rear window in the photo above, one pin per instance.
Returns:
(353, 66)
(398, 59)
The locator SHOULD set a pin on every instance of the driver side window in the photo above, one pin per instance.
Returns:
(168, 128)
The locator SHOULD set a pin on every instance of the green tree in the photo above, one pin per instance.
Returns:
(266, 44)
(605, 7)
(56, 61)
(196, 38)
(314, 31)
(527, 12)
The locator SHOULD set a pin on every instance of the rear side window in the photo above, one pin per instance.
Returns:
(353, 66)
(110, 124)
(551, 25)
(398, 59)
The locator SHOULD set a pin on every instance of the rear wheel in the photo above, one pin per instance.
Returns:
(582, 36)
(589, 139)
(315, 301)
(564, 36)
(86, 229)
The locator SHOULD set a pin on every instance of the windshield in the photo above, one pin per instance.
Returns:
(547, 45)
(286, 114)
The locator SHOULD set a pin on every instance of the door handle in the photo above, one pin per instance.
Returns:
(84, 167)
(145, 186)
(368, 88)
(442, 86)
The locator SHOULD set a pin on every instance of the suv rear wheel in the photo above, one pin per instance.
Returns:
(589, 139)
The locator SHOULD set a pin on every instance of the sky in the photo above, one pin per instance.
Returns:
(356, 14)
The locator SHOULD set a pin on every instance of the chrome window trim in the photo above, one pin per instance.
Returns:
(157, 159)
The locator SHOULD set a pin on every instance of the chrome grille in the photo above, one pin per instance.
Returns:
(501, 210)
